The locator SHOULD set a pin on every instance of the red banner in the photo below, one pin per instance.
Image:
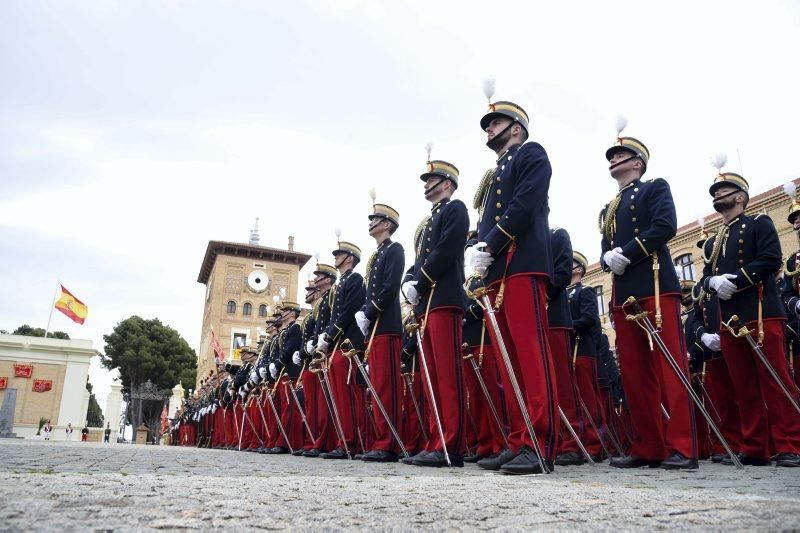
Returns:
(23, 371)
(3, 382)
(218, 353)
(42, 385)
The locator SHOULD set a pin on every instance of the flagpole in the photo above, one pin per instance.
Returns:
(52, 306)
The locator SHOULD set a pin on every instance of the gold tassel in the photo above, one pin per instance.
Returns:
(657, 284)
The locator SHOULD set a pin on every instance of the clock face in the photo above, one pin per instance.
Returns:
(257, 280)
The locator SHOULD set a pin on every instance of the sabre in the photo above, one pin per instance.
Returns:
(332, 406)
(235, 418)
(263, 417)
(699, 382)
(642, 320)
(489, 401)
(594, 426)
(241, 428)
(415, 329)
(354, 354)
(664, 412)
(278, 419)
(252, 426)
(300, 408)
(410, 386)
(481, 294)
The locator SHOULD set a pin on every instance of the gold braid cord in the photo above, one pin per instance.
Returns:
(720, 239)
(608, 216)
(794, 274)
(418, 233)
(479, 200)
(369, 267)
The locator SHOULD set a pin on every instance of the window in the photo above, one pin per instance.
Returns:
(684, 267)
(601, 306)
(231, 307)
(262, 310)
(247, 309)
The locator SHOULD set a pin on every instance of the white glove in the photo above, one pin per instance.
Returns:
(296, 358)
(262, 372)
(242, 394)
(273, 370)
(366, 369)
(213, 409)
(722, 284)
(322, 344)
(479, 260)
(310, 346)
(616, 261)
(409, 290)
(797, 307)
(711, 340)
(253, 377)
(363, 322)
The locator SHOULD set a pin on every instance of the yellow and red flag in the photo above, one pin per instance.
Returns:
(71, 306)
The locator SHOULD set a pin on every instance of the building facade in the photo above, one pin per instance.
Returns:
(49, 376)
(688, 258)
(241, 281)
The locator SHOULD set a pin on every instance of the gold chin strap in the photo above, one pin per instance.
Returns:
(657, 286)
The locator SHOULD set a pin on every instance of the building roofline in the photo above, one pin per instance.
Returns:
(251, 251)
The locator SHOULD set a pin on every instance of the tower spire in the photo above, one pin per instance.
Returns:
(254, 237)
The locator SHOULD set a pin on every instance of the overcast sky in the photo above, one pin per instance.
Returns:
(131, 133)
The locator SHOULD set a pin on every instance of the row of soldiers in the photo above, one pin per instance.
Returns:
(509, 367)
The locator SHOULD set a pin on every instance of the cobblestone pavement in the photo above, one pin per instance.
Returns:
(57, 485)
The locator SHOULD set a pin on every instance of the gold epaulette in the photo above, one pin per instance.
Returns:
(418, 233)
(479, 200)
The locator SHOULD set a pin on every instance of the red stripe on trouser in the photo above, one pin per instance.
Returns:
(343, 396)
(523, 324)
(586, 381)
(384, 373)
(720, 388)
(649, 381)
(442, 346)
(763, 409)
(559, 340)
(410, 430)
(489, 438)
(290, 418)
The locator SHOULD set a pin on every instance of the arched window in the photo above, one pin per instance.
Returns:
(247, 309)
(231, 307)
(262, 310)
(601, 306)
(684, 267)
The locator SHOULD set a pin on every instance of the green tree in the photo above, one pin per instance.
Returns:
(25, 329)
(94, 415)
(148, 350)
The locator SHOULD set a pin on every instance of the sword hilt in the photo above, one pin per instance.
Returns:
(638, 312)
(735, 327)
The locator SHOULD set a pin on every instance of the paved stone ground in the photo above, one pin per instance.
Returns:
(73, 485)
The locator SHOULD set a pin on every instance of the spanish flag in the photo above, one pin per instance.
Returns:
(71, 306)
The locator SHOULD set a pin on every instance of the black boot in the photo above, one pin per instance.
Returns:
(437, 459)
(718, 457)
(570, 459)
(746, 460)
(525, 462)
(338, 453)
(410, 460)
(633, 462)
(313, 452)
(472, 458)
(787, 459)
(677, 461)
(297, 453)
(277, 450)
(496, 460)
(380, 456)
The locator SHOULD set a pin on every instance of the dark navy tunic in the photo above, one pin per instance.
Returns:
(348, 297)
(382, 298)
(558, 310)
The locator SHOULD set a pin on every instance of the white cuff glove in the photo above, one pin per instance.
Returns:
(242, 394)
(711, 340)
(310, 347)
(363, 322)
(409, 290)
(262, 372)
(723, 286)
(213, 409)
(323, 344)
(273, 370)
(296, 358)
(366, 369)
(479, 260)
(616, 261)
(253, 377)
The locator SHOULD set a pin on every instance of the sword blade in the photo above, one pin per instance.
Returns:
(278, 421)
(489, 401)
(410, 387)
(379, 403)
(432, 397)
(300, 409)
(575, 436)
(760, 353)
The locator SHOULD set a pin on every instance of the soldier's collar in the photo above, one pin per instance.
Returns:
(347, 273)
(511, 150)
(387, 242)
(735, 220)
(439, 204)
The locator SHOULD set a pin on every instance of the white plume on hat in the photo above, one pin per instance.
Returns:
(488, 88)
(701, 222)
(338, 231)
(275, 299)
(621, 124)
(429, 148)
(316, 256)
(719, 160)
(790, 189)
(372, 194)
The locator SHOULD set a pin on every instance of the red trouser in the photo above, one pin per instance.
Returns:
(290, 418)
(723, 395)
(218, 434)
(701, 426)
(272, 421)
(348, 398)
(312, 406)
(247, 431)
(489, 438)
(384, 373)
(411, 429)
(325, 431)
(764, 410)
(231, 430)
(586, 381)
(650, 381)
(560, 347)
(258, 426)
(523, 325)
(442, 346)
